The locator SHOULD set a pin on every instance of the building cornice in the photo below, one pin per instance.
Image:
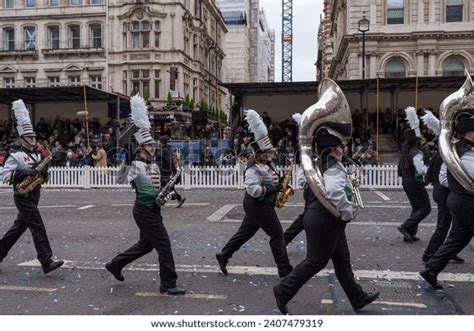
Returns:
(50, 17)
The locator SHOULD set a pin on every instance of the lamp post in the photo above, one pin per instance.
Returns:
(364, 26)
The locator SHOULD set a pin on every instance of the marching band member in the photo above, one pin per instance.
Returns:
(412, 169)
(262, 185)
(460, 177)
(440, 195)
(325, 232)
(144, 175)
(19, 166)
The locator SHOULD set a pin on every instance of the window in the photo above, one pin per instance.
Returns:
(95, 2)
(453, 66)
(9, 82)
(8, 39)
(95, 81)
(395, 69)
(157, 33)
(9, 4)
(395, 11)
(30, 37)
(53, 37)
(30, 3)
(53, 3)
(74, 80)
(53, 81)
(141, 82)
(30, 82)
(140, 34)
(454, 9)
(157, 83)
(75, 2)
(74, 36)
(95, 35)
(124, 82)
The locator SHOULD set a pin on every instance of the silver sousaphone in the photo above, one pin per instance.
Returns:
(448, 109)
(332, 108)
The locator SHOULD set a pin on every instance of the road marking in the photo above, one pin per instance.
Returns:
(263, 271)
(188, 296)
(388, 303)
(86, 207)
(383, 196)
(186, 204)
(40, 207)
(428, 225)
(221, 212)
(27, 288)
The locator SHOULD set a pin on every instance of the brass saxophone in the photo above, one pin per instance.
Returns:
(354, 176)
(29, 183)
(288, 190)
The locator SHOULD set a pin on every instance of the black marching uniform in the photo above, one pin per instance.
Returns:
(262, 186)
(461, 206)
(440, 196)
(18, 166)
(414, 187)
(326, 239)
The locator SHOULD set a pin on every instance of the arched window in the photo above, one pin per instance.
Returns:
(53, 37)
(453, 66)
(395, 69)
(140, 34)
(30, 37)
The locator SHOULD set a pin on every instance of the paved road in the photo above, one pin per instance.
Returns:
(87, 228)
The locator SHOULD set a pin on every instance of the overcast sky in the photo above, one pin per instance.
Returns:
(305, 36)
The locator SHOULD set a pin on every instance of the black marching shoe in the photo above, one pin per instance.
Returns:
(279, 300)
(114, 271)
(180, 202)
(406, 236)
(52, 265)
(431, 279)
(456, 259)
(222, 263)
(172, 290)
(367, 299)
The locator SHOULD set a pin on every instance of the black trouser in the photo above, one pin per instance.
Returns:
(153, 234)
(440, 196)
(28, 218)
(420, 204)
(462, 231)
(260, 215)
(295, 228)
(326, 239)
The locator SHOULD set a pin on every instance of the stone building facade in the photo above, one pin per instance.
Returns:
(124, 46)
(407, 38)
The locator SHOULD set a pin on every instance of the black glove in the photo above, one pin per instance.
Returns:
(44, 174)
(272, 189)
(21, 174)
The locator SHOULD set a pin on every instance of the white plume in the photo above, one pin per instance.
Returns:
(297, 117)
(21, 113)
(139, 113)
(413, 120)
(256, 125)
(431, 122)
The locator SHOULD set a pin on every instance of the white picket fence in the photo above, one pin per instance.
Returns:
(230, 177)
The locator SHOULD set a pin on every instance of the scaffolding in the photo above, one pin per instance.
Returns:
(287, 41)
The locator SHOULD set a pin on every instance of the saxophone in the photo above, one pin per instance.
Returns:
(354, 176)
(166, 190)
(29, 183)
(288, 190)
